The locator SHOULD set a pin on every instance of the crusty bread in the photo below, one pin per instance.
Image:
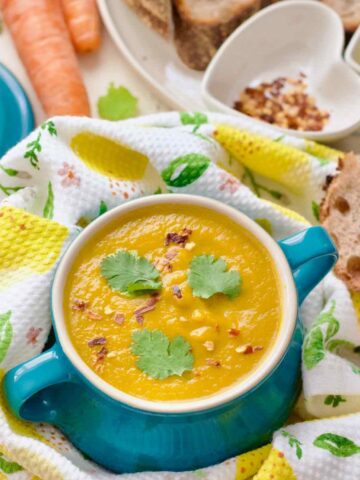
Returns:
(157, 14)
(349, 11)
(201, 26)
(340, 215)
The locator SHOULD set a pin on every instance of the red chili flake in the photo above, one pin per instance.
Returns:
(149, 305)
(246, 349)
(217, 328)
(22, 226)
(97, 341)
(79, 305)
(234, 332)
(94, 315)
(212, 362)
(119, 318)
(102, 354)
(280, 454)
(178, 238)
(171, 254)
(176, 291)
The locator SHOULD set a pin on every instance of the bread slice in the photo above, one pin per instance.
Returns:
(340, 215)
(157, 14)
(349, 11)
(201, 26)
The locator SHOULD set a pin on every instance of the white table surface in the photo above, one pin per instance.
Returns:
(99, 70)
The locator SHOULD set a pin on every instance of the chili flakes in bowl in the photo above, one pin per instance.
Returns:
(283, 102)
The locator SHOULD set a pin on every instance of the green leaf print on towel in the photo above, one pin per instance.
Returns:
(48, 211)
(334, 400)
(197, 119)
(50, 127)
(103, 208)
(293, 443)
(5, 333)
(318, 338)
(336, 445)
(185, 170)
(34, 147)
(9, 467)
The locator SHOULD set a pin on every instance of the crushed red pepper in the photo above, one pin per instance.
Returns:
(79, 305)
(234, 332)
(94, 316)
(178, 238)
(283, 102)
(119, 318)
(149, 305)
(97, 341)
(176, 291)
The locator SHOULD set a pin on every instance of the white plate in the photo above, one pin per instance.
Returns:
(153, 57)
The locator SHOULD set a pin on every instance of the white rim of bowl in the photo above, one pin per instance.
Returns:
(268, 363)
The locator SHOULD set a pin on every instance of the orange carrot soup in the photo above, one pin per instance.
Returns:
(174, 302)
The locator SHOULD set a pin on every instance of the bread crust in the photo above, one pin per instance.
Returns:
(340, 215)
(349, 11)
(156, 14)
(198, 39)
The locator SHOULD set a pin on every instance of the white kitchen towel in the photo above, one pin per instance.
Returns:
(70, 170)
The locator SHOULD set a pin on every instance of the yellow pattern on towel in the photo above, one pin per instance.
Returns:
(249, 463)
(287, 165)
(109, 158)
(276, 467)
(29, 244)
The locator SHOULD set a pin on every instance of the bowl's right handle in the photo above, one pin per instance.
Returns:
(27, 379)
(311, 254)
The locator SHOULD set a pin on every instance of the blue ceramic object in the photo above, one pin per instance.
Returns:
(122, 438)
(16, 116)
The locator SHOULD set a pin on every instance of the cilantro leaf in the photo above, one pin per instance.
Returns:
(208, 276)
(127, 272)
(117, 104)
(158, 356)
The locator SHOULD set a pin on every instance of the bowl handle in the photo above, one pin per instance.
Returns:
(21, 383)
(311, 254)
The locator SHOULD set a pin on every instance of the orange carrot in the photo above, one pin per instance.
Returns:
(83, 22)
(43, 43)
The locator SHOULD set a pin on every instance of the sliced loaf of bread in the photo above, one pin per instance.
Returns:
(157, 14)
(201, 26)
(340, 215)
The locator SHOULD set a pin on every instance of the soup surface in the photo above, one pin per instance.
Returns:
(198, 322)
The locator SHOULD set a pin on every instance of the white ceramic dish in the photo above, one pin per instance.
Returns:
(352, 52)
(153, 58)
(283, 40)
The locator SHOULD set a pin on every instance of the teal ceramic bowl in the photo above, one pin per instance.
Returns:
(16, 116)
(128, 434)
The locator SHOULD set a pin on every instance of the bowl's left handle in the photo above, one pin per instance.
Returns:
(26, 380)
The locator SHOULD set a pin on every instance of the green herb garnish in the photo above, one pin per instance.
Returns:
(209, 275)
(117, 104)
(129, 273)
(160, 357)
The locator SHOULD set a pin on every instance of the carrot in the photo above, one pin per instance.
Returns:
(83, 22)
(43, 43)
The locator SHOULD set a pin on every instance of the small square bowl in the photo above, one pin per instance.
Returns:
(284, 40)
